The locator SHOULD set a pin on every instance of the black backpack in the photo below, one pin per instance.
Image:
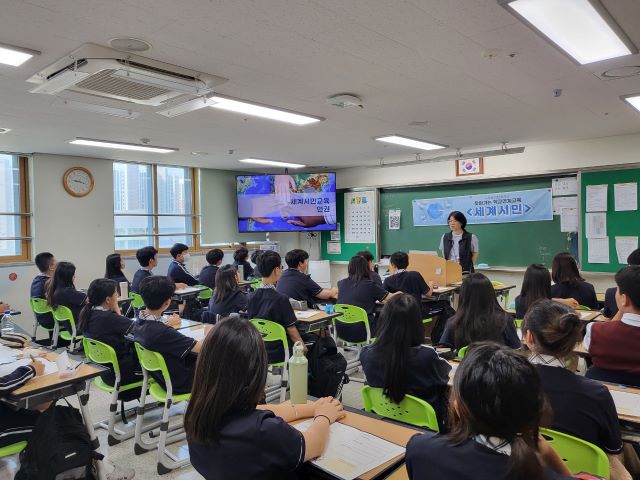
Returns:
(59, 447)
(327, 368)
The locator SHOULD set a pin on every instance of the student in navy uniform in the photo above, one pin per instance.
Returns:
(240, 259)
(46, 263)
(102, 320)
(254, 260)
(227, 297)
(207, 275)
(613, 345)
(177, 269)
(398, 361)
(115, 269)
(460, 245)
(148, 260)
(229, 434)
(569, 284)
(495, 410)
(62, 291)
(297, 284)
(610, 306)
(151, 331)
(368, 256)
(581, 407)
(269, 304)
(537, 286)
(479, 317)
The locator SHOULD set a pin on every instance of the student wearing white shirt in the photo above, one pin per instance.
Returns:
(458, 244)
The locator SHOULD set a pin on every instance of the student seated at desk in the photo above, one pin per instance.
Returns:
(494, 413)
(46, 263)
(610, 306)
(479, 317)
(296, 283)
(358, 289)
(177, 269)
(148, 259)
(62, 291)
(229, 434)
(569, 284)
(368, 256)
(581, 407)
(114, 270)
(398, 361)
(151, 331)
(254, 260)
(613, 346)
(537, 286)
(268, 304)
(227, 297)
(240, 259)
(102, 320)
(207, 275)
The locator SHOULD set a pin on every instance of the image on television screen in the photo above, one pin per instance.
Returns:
(284, 203)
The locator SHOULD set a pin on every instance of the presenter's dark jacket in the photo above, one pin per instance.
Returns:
(38, 288)
(179, 274)
(466, 255)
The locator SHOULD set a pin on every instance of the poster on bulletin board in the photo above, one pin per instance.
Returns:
(360, 217)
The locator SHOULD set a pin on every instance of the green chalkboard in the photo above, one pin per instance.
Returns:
(501, 244)
(348, 250)
(618, 223)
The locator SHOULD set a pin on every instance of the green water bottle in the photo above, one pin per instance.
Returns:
(298, 365)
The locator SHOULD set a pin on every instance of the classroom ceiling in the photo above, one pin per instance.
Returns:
(409, 61)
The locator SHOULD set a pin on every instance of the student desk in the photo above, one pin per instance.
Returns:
(440, 293)
(317, 322)
(186, 293)
(245, 284)
(198, 332)
(584, 315)
(399, 474)
(186, 323)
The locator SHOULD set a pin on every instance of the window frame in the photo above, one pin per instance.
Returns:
(25, 214)
(195, 212)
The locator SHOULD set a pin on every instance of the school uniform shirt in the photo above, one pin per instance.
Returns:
(207, 276)
(299, 286)
(38, 288)
(138, 277)
(433, 457)
(364, 294)
(375, 277)
(16, 425)
(520, 310)
(71, 298)
(581, 407)
(582, 291)
(410, 283)
(152, 333)
(119, 279)
(427, 374)
(235, 302)
(508, 337)
(179, 274)
(254, 445)
(108, 327)
(610, 305)
(247, 269)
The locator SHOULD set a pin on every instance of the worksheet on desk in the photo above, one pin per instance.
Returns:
(303, 314)
(352, 452)
(49, 367)
(626, 403)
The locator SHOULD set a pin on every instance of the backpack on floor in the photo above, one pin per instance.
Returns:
(59, 447)
(327, 368)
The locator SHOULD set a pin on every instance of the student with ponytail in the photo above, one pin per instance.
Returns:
(581, 407)
(494, 413)
(102, 320)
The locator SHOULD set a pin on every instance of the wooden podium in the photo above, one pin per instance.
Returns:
(433, 268)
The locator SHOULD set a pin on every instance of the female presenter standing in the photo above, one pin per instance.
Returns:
(458, 244)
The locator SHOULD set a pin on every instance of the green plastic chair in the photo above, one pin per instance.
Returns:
(136, 301)
(12, 449)
(518, 322)
(411, 410)
(427, 320)
(256, 283)
(104, 354)
(462, 351)
(351, 315)
(578, 455)
(204, 294)
(39, 306)
(154, 362)
(64, 314)
(583, 307)
(274, 332)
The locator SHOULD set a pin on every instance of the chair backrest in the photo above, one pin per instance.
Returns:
(99, 352)
(256, 283)
(39, 305)
(496, 283)
(152, 361)
(136, 300)
(411, 410)
(204, 294)
(272, 332)
(63, 314)
(578, 455)
(583, 307)
(352, 315)
(462, 351)
(518, 322)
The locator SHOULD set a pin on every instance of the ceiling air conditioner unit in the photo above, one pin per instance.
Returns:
(103, 72)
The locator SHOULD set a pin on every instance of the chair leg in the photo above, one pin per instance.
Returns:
(141, 446)
(56, 335)
(284, 382)
(166, 460)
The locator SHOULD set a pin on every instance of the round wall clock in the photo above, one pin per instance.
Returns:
(78, 181)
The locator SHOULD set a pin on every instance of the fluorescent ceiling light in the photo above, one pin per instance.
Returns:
(62, 81)
(633, 100)
(271, 163)
(15, 56)
(121, 145)
(259, 110)
(581, 28)
(410, 142)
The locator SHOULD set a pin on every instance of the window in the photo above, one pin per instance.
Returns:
(153, 205)
(15, 217)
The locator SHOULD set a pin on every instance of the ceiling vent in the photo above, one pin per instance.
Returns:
(624, 71)
(104, 72)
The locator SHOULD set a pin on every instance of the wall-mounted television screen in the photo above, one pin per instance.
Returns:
(286, 203)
